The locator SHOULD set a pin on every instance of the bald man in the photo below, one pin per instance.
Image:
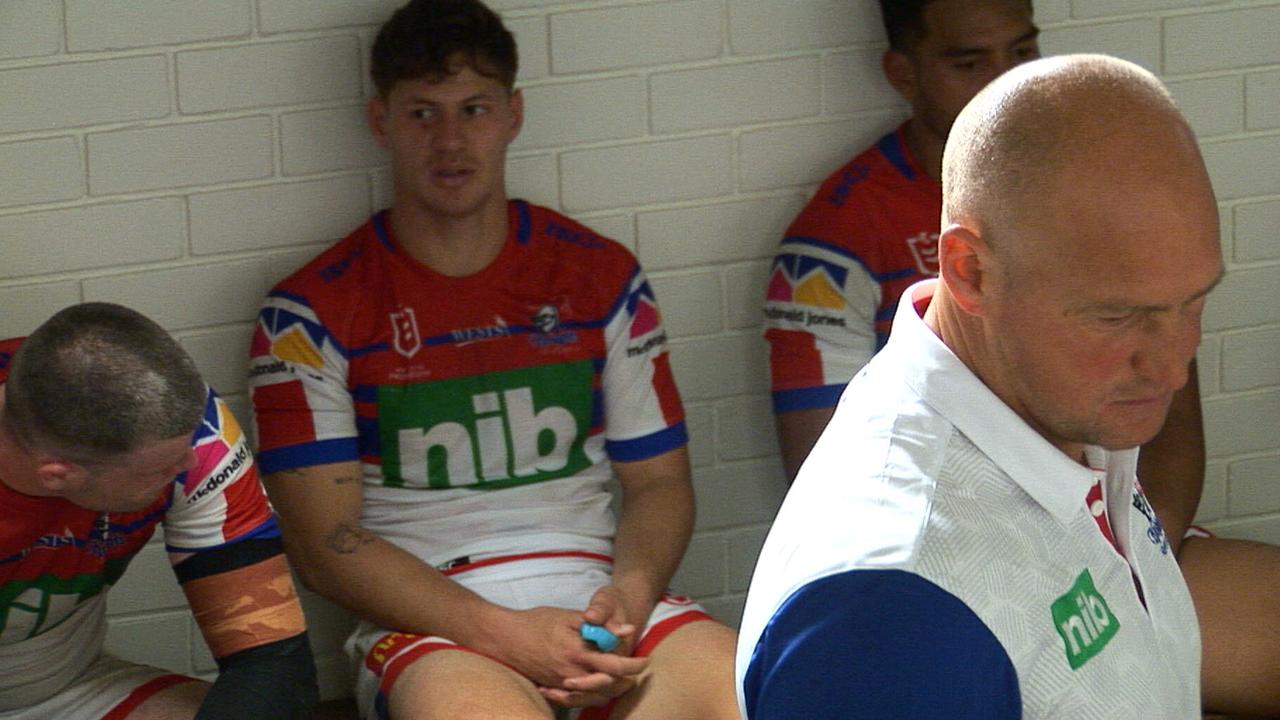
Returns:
(967, 538)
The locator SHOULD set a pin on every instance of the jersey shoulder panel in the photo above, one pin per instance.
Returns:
(573, 248)
(341, 271)
(221, 499)
(934, 657)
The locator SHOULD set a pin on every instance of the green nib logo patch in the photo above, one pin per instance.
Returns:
(1084, 621)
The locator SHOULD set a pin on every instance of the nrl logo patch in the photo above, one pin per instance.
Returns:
(404, 332)
(1084, 621)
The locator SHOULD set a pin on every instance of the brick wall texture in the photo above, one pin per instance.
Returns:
(180, 156)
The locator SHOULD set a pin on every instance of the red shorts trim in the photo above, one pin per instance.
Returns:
(397, 651)
(142, 693)
(1198, 531)
(503, 559)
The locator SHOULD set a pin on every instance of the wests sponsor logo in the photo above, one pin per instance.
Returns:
(466, 336)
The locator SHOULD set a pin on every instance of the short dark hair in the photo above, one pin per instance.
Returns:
(904, 22)
(426, 38)
(99, 380)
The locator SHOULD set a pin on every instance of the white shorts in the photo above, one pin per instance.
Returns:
(109, 689)
(566, 580)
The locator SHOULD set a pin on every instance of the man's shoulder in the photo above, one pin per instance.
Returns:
(543, 229)
(7, 349)
(337, 267)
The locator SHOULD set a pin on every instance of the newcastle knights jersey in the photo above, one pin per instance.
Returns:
(57, 560)
(483, 409)
(868, 234)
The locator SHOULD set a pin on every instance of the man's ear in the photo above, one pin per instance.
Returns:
(59, 476)
(965, 264)
(376, 116)
(901, 74)
(517, 112)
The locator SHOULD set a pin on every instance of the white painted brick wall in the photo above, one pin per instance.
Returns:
(40, 171)
(278, 73)
(120, 24)
(1262, 94)
(188, 154)
(182, 155)
(75, 94)
(29, 28)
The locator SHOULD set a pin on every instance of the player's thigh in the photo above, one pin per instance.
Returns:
(690, 677)
(457, 684)
(176, 702)
(1235, 584)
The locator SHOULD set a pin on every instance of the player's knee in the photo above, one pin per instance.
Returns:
(458, 685)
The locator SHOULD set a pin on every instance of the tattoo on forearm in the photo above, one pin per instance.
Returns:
(346, 480)
(347, 539)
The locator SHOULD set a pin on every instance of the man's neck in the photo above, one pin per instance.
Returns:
(925, 148)
(961, 335)
(17, 466)
(456, 246)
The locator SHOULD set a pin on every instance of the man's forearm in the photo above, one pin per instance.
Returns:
(654, 528)
(390, 587)
(319, 511)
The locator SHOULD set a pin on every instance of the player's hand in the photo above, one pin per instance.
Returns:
(608, 610)
(545, 645)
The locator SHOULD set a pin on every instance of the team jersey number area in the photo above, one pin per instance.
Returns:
(487, 431)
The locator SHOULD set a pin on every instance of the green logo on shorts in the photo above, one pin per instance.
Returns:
(1084, 621)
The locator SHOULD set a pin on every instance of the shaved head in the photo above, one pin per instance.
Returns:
(1051, 124)
(1079, 241)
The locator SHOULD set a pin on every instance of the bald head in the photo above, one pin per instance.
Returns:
(1059, 128)
(1079, 241)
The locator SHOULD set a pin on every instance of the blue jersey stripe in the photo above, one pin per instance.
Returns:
(268, 530)
(893, 151)
(879, 644)
(648, 446)
(824, 396)
(317, 453)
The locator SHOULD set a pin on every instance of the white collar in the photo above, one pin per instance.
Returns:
(947, 385)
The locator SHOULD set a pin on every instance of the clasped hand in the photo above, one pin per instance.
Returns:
(546, 646)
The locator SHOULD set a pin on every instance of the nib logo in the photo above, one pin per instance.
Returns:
(487, 431)
(1084, 621)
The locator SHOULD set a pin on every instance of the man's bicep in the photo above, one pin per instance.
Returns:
(242, 595)
(798, 430)
(314, 503)
(667, 468)
(877, 644)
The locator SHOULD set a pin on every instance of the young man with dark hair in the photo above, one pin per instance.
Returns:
(872, 230)
(442, 398)
(107, 430)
